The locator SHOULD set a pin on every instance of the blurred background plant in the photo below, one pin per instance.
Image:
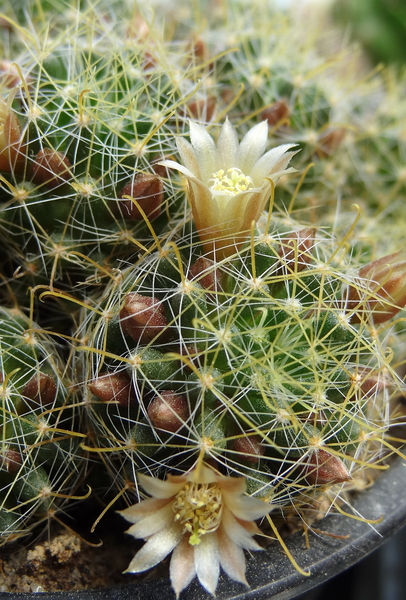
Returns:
(379, 24)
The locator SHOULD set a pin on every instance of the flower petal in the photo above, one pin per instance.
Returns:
(205, 213)
(157, 488)
(227, 147)
(274, 160)
(250, 526)
(143, 509)
(188, 156)
(244, 208)
(203, 474)
(204, 149)
(255, 207)
(252, 146)
(155, 549)
(232, 558)
(207, 562)
(247, 508)
(177, 478)
(153, 523)
(171, 164)
(182, 567)
(236, 532)
(233, 485)
(275, 176)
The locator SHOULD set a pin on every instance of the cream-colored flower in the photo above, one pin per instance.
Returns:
(228, 184)
(204, 518)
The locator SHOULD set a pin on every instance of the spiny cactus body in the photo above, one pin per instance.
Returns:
(259, 362)
(39, 464)
(79, 187)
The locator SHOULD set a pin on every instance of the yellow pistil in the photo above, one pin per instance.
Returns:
(231, 183)
(198, 507)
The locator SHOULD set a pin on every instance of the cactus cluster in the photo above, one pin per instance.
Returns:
(158, 317)
(78, 155)
(40, 461)
(262, 362)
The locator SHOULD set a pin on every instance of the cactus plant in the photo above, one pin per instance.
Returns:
(213, 344)
(39, 466)
(255, 352)
(77, 150)
(85, 129)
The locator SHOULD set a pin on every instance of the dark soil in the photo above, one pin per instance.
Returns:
(69, 561)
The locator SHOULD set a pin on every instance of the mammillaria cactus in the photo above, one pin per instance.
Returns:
(39, 460)
(211, 330)
(254, 351)
(70, 203)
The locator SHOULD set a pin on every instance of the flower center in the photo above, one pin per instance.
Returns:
(231, 183)
(198, 507)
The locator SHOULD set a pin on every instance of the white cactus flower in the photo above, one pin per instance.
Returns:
(204, 518)
(228, 184)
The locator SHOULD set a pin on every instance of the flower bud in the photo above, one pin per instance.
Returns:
(11, 155)
(201, 110)
(114, 387)
(277, 114)
(295, 250)
(41, 389)
(168, 411)
(329, 141)
(10, 75)
(142, 317)
(6, 24)
(10, 461)
(149, 61)
(147, 190)
(204, 272)
(191, 351)
(382, 288)
(370, 382)
(249, 448)
(138, 29)
(200, 51)
(323, 468)
(51, 168)
(227, 94)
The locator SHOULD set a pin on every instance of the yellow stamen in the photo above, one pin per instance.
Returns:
(199, 508)
(231, 184)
